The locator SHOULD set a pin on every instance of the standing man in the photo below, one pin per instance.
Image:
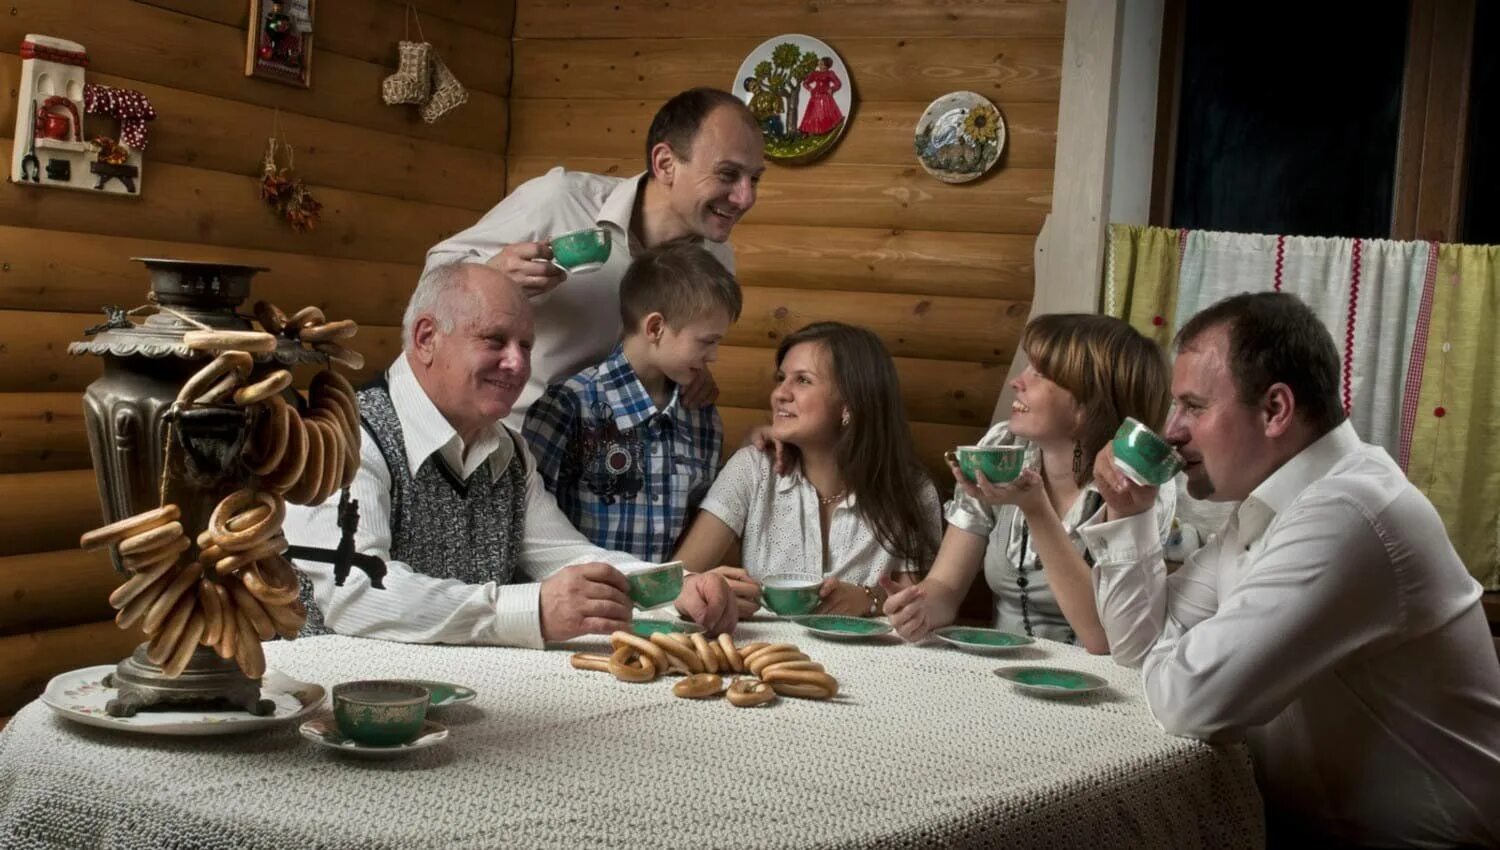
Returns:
(1330, 623)
(704, 157)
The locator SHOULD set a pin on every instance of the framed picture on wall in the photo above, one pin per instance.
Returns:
(279, 41)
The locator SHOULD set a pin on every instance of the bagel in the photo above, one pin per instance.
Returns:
(270, 317)
(117, 531)
(746, 693)
(236, 509)
(268, 442)
(293, 461)
(271, 385)
(698, 686)
(339, 354)
(731, 654)
(809, 684)
(590, 661)
(255, 342)
(329, 331)
(641, 645)
(230, 362)
(628, 665)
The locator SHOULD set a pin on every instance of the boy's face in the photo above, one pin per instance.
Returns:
(683, 353)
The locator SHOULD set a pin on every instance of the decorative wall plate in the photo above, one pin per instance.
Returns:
(799, 90)
(959, 137)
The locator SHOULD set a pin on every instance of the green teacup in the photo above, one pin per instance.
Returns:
(1143, 456)
(380, 712)
(790, 594)
(582, 250)
(656, 586)
(1000, 464)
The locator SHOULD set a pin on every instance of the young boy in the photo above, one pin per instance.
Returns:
(626, 461)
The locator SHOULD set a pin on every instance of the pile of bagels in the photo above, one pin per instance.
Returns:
(774, 669)
(229, 586)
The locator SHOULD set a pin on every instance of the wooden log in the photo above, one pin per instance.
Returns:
(978, 329)
(80, 272)
(708, 18)
(153, 45)
(28, 661)
(1004, 69)
(940, 391)
(41, 432)
(1012, 200)
(617, 128)
(369, 29)
(227, 135)
(46, 511)
(51, 590)
(180, 203)
(930, 440)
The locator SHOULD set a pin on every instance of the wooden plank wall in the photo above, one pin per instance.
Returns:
(943, 273)
(391, 186)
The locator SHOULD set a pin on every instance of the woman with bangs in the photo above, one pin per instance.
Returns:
(1087, 374)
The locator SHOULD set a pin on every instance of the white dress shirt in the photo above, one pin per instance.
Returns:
(418, 608)
(1331, 625)
(776, 517)
(578, 322)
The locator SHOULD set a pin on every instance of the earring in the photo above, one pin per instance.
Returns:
(1077, 458)
(844, 420)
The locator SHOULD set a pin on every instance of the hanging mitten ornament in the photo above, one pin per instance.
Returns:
(412, 82)
(447, 93)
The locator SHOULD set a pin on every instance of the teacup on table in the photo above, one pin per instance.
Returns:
(380, 712)
(1000, 464)
(656, 586)
(581, 250)
(790, 594)
(1144, 456)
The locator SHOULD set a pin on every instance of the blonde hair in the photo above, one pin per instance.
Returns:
(1110, 368)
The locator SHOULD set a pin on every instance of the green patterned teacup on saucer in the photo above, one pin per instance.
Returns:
(582, 250)
(1000, 464)
(1143, 456)
(380, 712)
(656, 586)
(789, 594)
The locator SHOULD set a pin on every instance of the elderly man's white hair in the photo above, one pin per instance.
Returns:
(438, 294)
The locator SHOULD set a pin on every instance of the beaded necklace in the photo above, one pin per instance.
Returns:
(1090, 506)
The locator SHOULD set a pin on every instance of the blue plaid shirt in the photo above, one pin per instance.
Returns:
(627, 475)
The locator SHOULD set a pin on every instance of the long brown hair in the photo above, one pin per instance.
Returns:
(1109, 367)
(874, 451)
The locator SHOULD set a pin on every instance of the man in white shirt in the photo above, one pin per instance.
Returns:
(1330, 623)
(450, 498)
(704, 156)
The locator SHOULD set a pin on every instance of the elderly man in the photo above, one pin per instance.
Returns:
(450, 496)
(704, 157)
(1330, 622)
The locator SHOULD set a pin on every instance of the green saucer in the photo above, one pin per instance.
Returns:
(442, 694)
(647, 628)
(842, 628)
(982, 640)
(1052, 681)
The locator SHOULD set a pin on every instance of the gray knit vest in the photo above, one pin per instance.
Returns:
(440, 526)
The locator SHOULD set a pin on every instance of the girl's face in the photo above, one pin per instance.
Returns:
(805, 405)
(1042, 410)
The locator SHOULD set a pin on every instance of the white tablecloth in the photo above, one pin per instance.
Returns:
(924, 747)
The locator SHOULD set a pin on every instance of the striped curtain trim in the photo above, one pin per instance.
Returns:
(1413, 393)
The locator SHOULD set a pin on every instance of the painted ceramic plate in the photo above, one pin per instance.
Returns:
(324, 732)
(442, 694)
(80, 696)
(984, 641)
(842, 628)
(1052, 681)
(798, 89)
(647, 628)
(959, 137)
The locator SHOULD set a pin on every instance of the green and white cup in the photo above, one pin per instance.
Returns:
(1000, 464)
(581, 250)
(790, 594)
(1144, 456)
(656, 586)
(380, 712)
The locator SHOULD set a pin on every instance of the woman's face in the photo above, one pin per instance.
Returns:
(1043, 411)
(805, 405)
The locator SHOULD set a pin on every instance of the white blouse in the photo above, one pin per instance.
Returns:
(776, 517)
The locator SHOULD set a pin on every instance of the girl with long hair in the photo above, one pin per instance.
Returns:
(856, 508)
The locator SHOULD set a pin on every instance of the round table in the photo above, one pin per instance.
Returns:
(924, 746)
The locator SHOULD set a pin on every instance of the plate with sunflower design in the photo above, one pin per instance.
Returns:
(959, 137)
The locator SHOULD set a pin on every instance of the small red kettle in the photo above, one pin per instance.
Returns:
(53, 125)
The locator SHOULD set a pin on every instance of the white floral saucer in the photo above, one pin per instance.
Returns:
(80, 696)
(325, 732)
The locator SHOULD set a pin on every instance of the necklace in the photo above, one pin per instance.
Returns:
(828, 500)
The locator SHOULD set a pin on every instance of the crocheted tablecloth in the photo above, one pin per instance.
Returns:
(924, 747)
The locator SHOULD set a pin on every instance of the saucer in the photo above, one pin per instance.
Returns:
(324, 732)
(581, 268)
(647, 627)
(442, 694)
(1052, 682)
(842, 628)
(984, 641)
